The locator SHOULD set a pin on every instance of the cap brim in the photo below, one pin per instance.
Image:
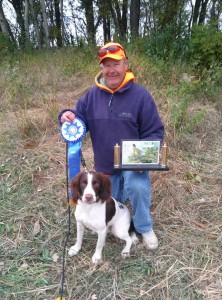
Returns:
(113, 56)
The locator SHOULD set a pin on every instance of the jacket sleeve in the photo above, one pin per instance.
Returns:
(151, 126)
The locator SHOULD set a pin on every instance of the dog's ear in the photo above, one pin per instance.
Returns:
(75, 189)
(105, 190)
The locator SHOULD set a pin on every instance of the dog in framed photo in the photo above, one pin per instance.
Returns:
(97, 210)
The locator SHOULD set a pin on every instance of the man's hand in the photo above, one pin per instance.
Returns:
(68, 116)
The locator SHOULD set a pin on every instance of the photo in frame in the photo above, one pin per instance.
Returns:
(140, 152)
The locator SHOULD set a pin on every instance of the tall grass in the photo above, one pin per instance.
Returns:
(186, 204)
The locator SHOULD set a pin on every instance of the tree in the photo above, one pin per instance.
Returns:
(58, 23)
(4, 26)
(18, 7)
(120, 20)
(199, 13)
(87, 5)
(165, 25)
(216, 10)
(27, 20)
(35, 23)
(203, 11)
(105, 15)
(134, 17)
(62, 23)
(45, 23)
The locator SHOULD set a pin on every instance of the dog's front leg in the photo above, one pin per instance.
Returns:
(97, 256)
(80, 232)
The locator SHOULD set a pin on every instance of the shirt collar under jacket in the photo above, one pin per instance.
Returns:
(100, 81)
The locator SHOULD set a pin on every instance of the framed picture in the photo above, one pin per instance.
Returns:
(140, 152)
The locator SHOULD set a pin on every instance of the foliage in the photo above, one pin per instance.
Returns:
(167, 24)
(184, 119)
(206, 47)
(81, 59)
(6, 46)
(167, 43)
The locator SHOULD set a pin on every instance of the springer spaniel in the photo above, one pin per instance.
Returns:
(98, 211)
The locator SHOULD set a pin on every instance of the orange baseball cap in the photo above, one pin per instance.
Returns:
(111, 50)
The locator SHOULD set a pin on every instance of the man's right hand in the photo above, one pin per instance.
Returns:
(68, 116)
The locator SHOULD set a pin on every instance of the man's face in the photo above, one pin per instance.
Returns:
(114, 71)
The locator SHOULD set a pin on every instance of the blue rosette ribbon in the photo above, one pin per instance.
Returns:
(73, 133)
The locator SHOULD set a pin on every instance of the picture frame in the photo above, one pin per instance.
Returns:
(140, 153)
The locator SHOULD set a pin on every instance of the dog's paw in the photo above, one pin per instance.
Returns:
(125, 254)
(135, 238)
(73, 250)
(96, 259)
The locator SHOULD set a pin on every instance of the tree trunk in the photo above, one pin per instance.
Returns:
(134, 17)
(215, 13)
(58, 23)
(104, 14)
(113, 14)
(203, 12)
(124, 15)
(122, 34)
(18, 7)
(27, 21)
(35, 23)
(5, 28)
(117, 19)
(89, 13)
(196, 11)
(45, 23)
(62, 24)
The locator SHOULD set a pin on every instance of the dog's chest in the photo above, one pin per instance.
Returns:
(91, 215)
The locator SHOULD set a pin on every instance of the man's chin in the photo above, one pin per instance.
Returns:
(112, 85)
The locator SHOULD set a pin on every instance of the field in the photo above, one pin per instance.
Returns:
(34, 219)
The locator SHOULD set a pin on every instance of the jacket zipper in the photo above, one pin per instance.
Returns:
(110, 101)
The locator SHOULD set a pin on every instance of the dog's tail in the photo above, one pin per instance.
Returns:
(133, 233)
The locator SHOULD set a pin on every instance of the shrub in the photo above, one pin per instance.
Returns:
(6, 46)
(206, 46)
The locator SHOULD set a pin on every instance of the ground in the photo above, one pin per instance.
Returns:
(186, 208)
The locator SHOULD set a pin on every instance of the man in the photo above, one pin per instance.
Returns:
(117, 108)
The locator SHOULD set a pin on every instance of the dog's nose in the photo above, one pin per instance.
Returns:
(88, 197)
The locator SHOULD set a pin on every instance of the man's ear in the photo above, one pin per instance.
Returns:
(126, 63)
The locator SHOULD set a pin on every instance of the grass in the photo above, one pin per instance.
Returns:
(186, 204)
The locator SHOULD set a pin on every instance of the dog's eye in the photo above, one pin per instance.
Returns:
(95, 183)
(83, 183)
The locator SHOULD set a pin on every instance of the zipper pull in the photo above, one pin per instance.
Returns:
(110, 100)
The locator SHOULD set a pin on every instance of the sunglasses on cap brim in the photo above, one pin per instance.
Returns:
(111, 49)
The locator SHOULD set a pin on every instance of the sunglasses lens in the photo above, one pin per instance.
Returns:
(102, 52)
(113, 49)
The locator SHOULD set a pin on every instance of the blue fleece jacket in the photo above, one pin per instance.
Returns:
(128, 113)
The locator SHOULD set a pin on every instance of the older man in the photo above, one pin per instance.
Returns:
(117, 108)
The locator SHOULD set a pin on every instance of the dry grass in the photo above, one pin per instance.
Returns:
(186, 209)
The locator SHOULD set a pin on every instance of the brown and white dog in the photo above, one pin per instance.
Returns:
(98, 211)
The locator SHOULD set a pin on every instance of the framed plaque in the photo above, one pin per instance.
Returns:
(140, 155)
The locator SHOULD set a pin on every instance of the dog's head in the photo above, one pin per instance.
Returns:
(90, 187)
